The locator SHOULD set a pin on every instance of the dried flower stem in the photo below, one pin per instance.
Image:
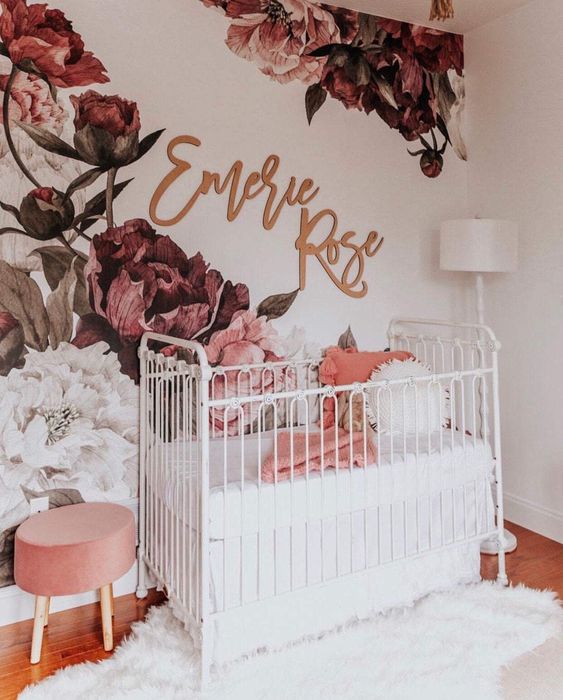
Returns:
(64, 241)
(441, 9)
(6, 117)
(112, 172)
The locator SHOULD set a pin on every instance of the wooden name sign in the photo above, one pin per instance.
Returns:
(342, 256)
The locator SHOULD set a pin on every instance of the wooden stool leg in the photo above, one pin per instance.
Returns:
(38, 624)
(106, 605)
(112, 601)
(47, 609)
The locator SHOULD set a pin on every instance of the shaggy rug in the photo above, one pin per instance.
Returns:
(449, 645)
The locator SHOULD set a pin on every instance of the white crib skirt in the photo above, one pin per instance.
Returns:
(308, 612)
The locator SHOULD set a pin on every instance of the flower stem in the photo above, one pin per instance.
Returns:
(6, 118)
(82, 234)
(63, 240)
(112, 172)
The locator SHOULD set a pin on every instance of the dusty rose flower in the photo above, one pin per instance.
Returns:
(248, 340)
(44, 214)
(106, 128)
(11, 341)
(278, 35)
(31, 102)
(140, 280)
(44, 39)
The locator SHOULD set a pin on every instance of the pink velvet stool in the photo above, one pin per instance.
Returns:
(73, 549)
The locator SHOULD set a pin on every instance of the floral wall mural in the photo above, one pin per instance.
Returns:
(410, 76)
(74, 303)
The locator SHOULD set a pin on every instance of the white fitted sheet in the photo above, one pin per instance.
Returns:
(239, 502)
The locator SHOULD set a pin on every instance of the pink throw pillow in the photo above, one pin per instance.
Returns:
(348, 366)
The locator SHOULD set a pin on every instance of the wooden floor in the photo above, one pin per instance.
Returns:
(76, 635)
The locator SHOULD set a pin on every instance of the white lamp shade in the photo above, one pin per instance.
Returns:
(479, 245)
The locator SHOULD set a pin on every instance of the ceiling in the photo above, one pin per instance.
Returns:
(468, 13)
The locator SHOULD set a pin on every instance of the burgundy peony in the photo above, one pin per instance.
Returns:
(338, 84)
(11, 341)
(106, 129)
(42, 41)
(44, 214)
(401, 93)
(140, 280)
(435, 50)
(431, 164)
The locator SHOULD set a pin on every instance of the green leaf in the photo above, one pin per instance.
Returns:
(367, 29)
(50, 142)
(14, 211)
(56, 263)
(358, 69)
(445, 96)
(443, 129)
(276, 305)
(347, 340)
(83, 180)
(386, 90)
(10, 229)
(20, 295)
(147, 143)
(3, 50)
(96, 206)
(314, 99)
(59, 308)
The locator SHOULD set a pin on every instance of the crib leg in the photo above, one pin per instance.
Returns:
(502, 578)
(141, 591)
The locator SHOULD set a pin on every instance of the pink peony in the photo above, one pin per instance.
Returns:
(248, 340)
(278, 35)
(33, 103)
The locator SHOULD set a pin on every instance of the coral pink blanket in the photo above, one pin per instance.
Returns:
(315, 453)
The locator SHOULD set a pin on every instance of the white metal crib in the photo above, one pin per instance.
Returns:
(217, 536)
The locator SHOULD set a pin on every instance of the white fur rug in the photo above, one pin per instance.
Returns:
(449, 645)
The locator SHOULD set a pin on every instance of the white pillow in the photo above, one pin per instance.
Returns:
(428, 397)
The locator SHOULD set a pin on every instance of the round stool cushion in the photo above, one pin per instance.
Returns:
(74, 548)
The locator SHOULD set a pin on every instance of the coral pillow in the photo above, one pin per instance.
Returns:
(348, 366)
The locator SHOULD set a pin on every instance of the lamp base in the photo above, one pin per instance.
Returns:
(491, 546)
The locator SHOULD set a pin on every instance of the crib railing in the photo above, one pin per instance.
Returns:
(417, 483)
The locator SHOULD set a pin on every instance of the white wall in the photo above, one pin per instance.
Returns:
(515, 95)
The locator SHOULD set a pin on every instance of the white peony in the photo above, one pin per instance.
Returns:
(68, 419)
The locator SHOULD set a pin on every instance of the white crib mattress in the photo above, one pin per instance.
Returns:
(452, 472)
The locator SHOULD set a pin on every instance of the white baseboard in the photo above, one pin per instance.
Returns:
(546, 521)
(17, 605)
